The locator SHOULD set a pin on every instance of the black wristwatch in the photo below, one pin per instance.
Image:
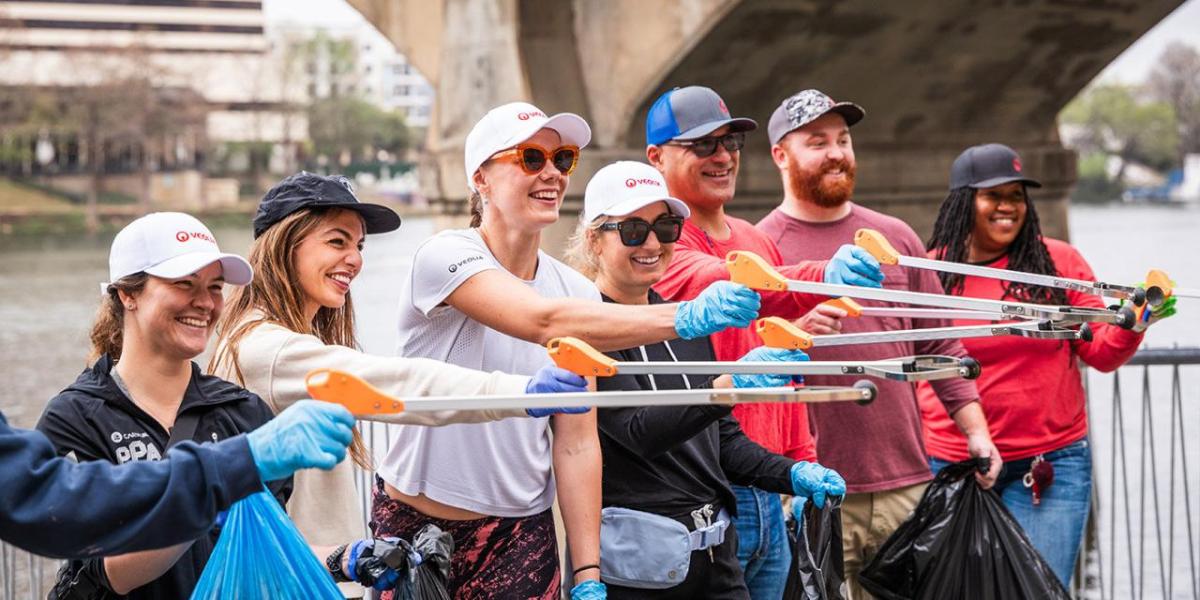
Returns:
(333, 562)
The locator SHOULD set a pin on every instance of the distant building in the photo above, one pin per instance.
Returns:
(216, 47)
(354, 60)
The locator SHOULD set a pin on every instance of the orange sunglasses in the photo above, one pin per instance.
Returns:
(533, 158)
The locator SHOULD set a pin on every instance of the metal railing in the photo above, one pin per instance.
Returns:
(1145, 520)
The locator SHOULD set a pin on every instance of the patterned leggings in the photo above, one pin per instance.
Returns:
(494, 557)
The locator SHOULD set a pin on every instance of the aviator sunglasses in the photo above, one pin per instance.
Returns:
(635, 231)
(707, 146)
(533, 158)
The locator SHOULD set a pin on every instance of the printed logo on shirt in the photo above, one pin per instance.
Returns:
(117, 437)
(470, 259)
(137, 450)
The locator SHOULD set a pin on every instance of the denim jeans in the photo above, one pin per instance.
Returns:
(763, 549)
(1056, 525)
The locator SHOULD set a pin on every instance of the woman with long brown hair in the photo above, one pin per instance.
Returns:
(297, 315)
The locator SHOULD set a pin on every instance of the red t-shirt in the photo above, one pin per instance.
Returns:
(876, 447)
(699, 261)
(1031, 390)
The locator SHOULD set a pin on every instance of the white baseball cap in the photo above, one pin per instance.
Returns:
(510, 124)
(625, 187)
(170, 245)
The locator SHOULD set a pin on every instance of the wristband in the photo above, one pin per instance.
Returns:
(584, 568)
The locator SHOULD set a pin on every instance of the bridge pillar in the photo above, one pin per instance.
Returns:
(934, 77)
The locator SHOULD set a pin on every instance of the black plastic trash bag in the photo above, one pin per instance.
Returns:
(960, 542)
(428, 568)
(260, 554)
(817, 572)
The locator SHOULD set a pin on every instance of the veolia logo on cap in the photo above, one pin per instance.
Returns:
(1017, 165)
(184, 236)
(631, 182)
(721, 104)
(525, 116)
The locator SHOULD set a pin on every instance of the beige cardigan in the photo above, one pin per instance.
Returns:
(274, 361)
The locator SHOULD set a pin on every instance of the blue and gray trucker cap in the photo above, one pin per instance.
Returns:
(690, 113)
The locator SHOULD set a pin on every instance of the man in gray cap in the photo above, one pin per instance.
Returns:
(695, 143)
(878, 449)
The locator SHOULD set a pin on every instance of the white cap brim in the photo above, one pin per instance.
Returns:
(234, 268)
(632, 205)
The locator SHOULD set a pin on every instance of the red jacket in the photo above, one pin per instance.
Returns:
(1031, 390)
(699, 261)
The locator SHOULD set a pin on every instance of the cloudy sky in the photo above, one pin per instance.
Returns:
(1131, 67)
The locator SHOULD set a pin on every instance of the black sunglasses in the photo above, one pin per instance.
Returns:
(707, 146)
(635, 231)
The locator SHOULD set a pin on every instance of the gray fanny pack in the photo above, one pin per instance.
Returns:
(648, 551)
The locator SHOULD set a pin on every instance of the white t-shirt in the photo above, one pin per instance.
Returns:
(501, 468)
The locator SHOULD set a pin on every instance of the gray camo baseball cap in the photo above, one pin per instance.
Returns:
(807, 106)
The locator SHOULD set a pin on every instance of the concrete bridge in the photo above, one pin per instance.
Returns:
(934, 77)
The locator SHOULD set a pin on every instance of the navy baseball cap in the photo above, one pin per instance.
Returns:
(305, 190)
(690, 113)
(807, 106)
(987, 166)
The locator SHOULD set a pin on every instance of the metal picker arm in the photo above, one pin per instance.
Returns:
(877, 245)
(576, 356)
(368, 403)
(752, 271)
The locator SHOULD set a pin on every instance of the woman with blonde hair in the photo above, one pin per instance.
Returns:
(487, 297)
(666, 466)
(297, 315)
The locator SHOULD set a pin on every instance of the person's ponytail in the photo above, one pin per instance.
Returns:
(108, 326)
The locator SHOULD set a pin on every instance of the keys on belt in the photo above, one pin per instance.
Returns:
(1039, 478)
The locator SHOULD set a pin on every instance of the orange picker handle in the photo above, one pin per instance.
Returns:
(777, 332)
(576, 356)
(852, 308)
(750, 270)
(872, 241)
(1158, 280)
(358, 396)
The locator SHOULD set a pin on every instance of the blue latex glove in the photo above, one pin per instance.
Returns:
(814, 481)
(852, 265)
(308, 434)
(370, 570)
(553, 380)
(721, 305)
(589, 590)
(763, 353)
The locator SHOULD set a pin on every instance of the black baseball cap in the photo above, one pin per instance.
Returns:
(987, 166)
(305, 190)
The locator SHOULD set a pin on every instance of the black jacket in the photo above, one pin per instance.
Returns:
(670, 460)
(93, 420)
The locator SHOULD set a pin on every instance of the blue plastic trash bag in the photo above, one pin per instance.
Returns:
(260, 554)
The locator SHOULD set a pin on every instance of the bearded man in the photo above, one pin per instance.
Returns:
(878, 449)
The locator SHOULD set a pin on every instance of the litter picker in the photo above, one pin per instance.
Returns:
(368, 403)
(878, 246)
(578, 357)
(777, 332)
(751, 270)
(1158, 279)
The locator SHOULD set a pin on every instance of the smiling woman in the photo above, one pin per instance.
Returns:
(298, 315)
(143, 394)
